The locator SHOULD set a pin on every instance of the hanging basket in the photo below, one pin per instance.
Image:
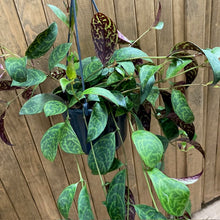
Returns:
(78, 125)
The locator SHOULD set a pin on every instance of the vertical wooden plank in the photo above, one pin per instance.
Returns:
(195, 21)
(217, 168)
(125, 17)
(16, 186)
(212, 118)
(106, 7)
(178, 36)
(7, 210)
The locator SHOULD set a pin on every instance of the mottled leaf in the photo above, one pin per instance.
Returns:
(188, 128)
(212, 58)
(43, 42)
(147, 79)
(36, 104)
(190, 179)
(169, 128)
(50, 140)
(16, 68)
(173, 195)
(69, 141)
(64, 82)
(58, 54)
(92, 70)
(6, 85)
(175, 66)
(144, 114)
(104, 150)
(181, 107)
(54, 107)
(116, 164)
(3, 134)
(104, 35)
(192, 71)
(65, 199)
(114, 78)
(129, 53)
(34, 77)
(97, 122)
(59, 14)
(145, 212)
(153, 95)
(84, 207)
(128, 66)
(148, 146)
(102, 92)
(115, 200)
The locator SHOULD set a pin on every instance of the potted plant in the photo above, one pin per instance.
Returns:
(97, 95)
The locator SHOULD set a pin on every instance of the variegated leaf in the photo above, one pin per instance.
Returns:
(105, 36)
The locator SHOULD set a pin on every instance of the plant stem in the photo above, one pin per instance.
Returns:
(149, 188)
(96, 163)
(79, 171)
(126, 165)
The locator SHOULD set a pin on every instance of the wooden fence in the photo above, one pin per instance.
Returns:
(29, 184)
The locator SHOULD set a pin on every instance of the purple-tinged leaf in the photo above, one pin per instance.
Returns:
(105, 36)
(157, 19)
(192, 73)
(186, 45)
(144, 114)
(122, 39)
(3, 134)
(6, 85)
(196, 145)
(190, 179)
(28, 93)
(188, 128)
(132, 211)
(166, 96)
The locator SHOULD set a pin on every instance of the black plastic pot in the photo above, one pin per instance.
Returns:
(78, 125)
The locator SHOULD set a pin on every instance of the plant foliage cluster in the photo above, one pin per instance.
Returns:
(116, 82)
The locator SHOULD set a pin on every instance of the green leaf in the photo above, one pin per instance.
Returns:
(54, 107)
(50, 140)
(216, 51)
(116, 164)
(129, 53)
(74, 100)
(43, 42)
(58, 54)
(114, 78)
(102, 92)
(115, 200)
(104, 35)
(64, 83)
(214, 63)
(181, 107)
(164, 141)
(84, 207)
(148, 146)
(69, 141)
(104, 150)
(159, 26)
(173, 195)
(34, 77)
(92, 70)
(97, 122)
(138, 122)
(36, 104)
(153, 95)
(65, 199)
(16, 68)
(128, 67)
(59, 14)
(145, 212)
(175, 66)
(147, 79)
